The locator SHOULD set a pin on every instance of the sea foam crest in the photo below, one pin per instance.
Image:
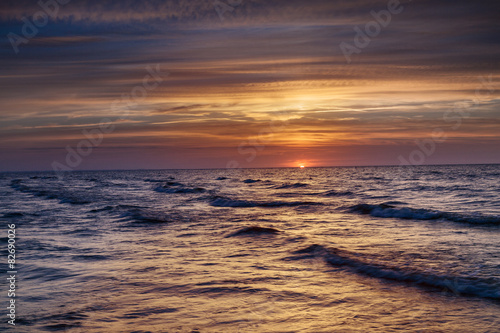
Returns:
(352, 262)
(390, 211)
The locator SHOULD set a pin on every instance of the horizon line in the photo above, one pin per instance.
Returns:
(311, 167)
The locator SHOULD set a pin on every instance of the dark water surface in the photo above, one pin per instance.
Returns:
(361, 249)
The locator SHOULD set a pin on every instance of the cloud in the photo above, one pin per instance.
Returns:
(227, 79)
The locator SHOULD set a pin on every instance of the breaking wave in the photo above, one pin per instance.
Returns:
(351, 261)
(385, 210)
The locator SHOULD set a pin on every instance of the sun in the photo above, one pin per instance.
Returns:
(302, 166)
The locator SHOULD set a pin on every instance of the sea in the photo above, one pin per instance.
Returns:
(340, 249)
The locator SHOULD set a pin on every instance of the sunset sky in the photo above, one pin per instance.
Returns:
(252, 82)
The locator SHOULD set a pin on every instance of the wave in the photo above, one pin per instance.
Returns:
(61, 321)
(227, 202)
(150, 180)
(251, 181)
(153, 180)
(254, 231)
(117, 207)
(90, 257)
(163, 189)
(144, 216)
(62, 195)
(386, 210)
(138, 214)
(81, 232)
(170, 184)
(334, 193)
(144, 313)
(34, 272)
(345, 259)
(48, 248)
(229, 290)
(12, 215)
(175, 187)
(43, 177)
(296, 185)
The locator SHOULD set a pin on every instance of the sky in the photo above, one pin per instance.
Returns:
(248, 83)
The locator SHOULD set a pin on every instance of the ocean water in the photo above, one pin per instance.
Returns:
(363, 249)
